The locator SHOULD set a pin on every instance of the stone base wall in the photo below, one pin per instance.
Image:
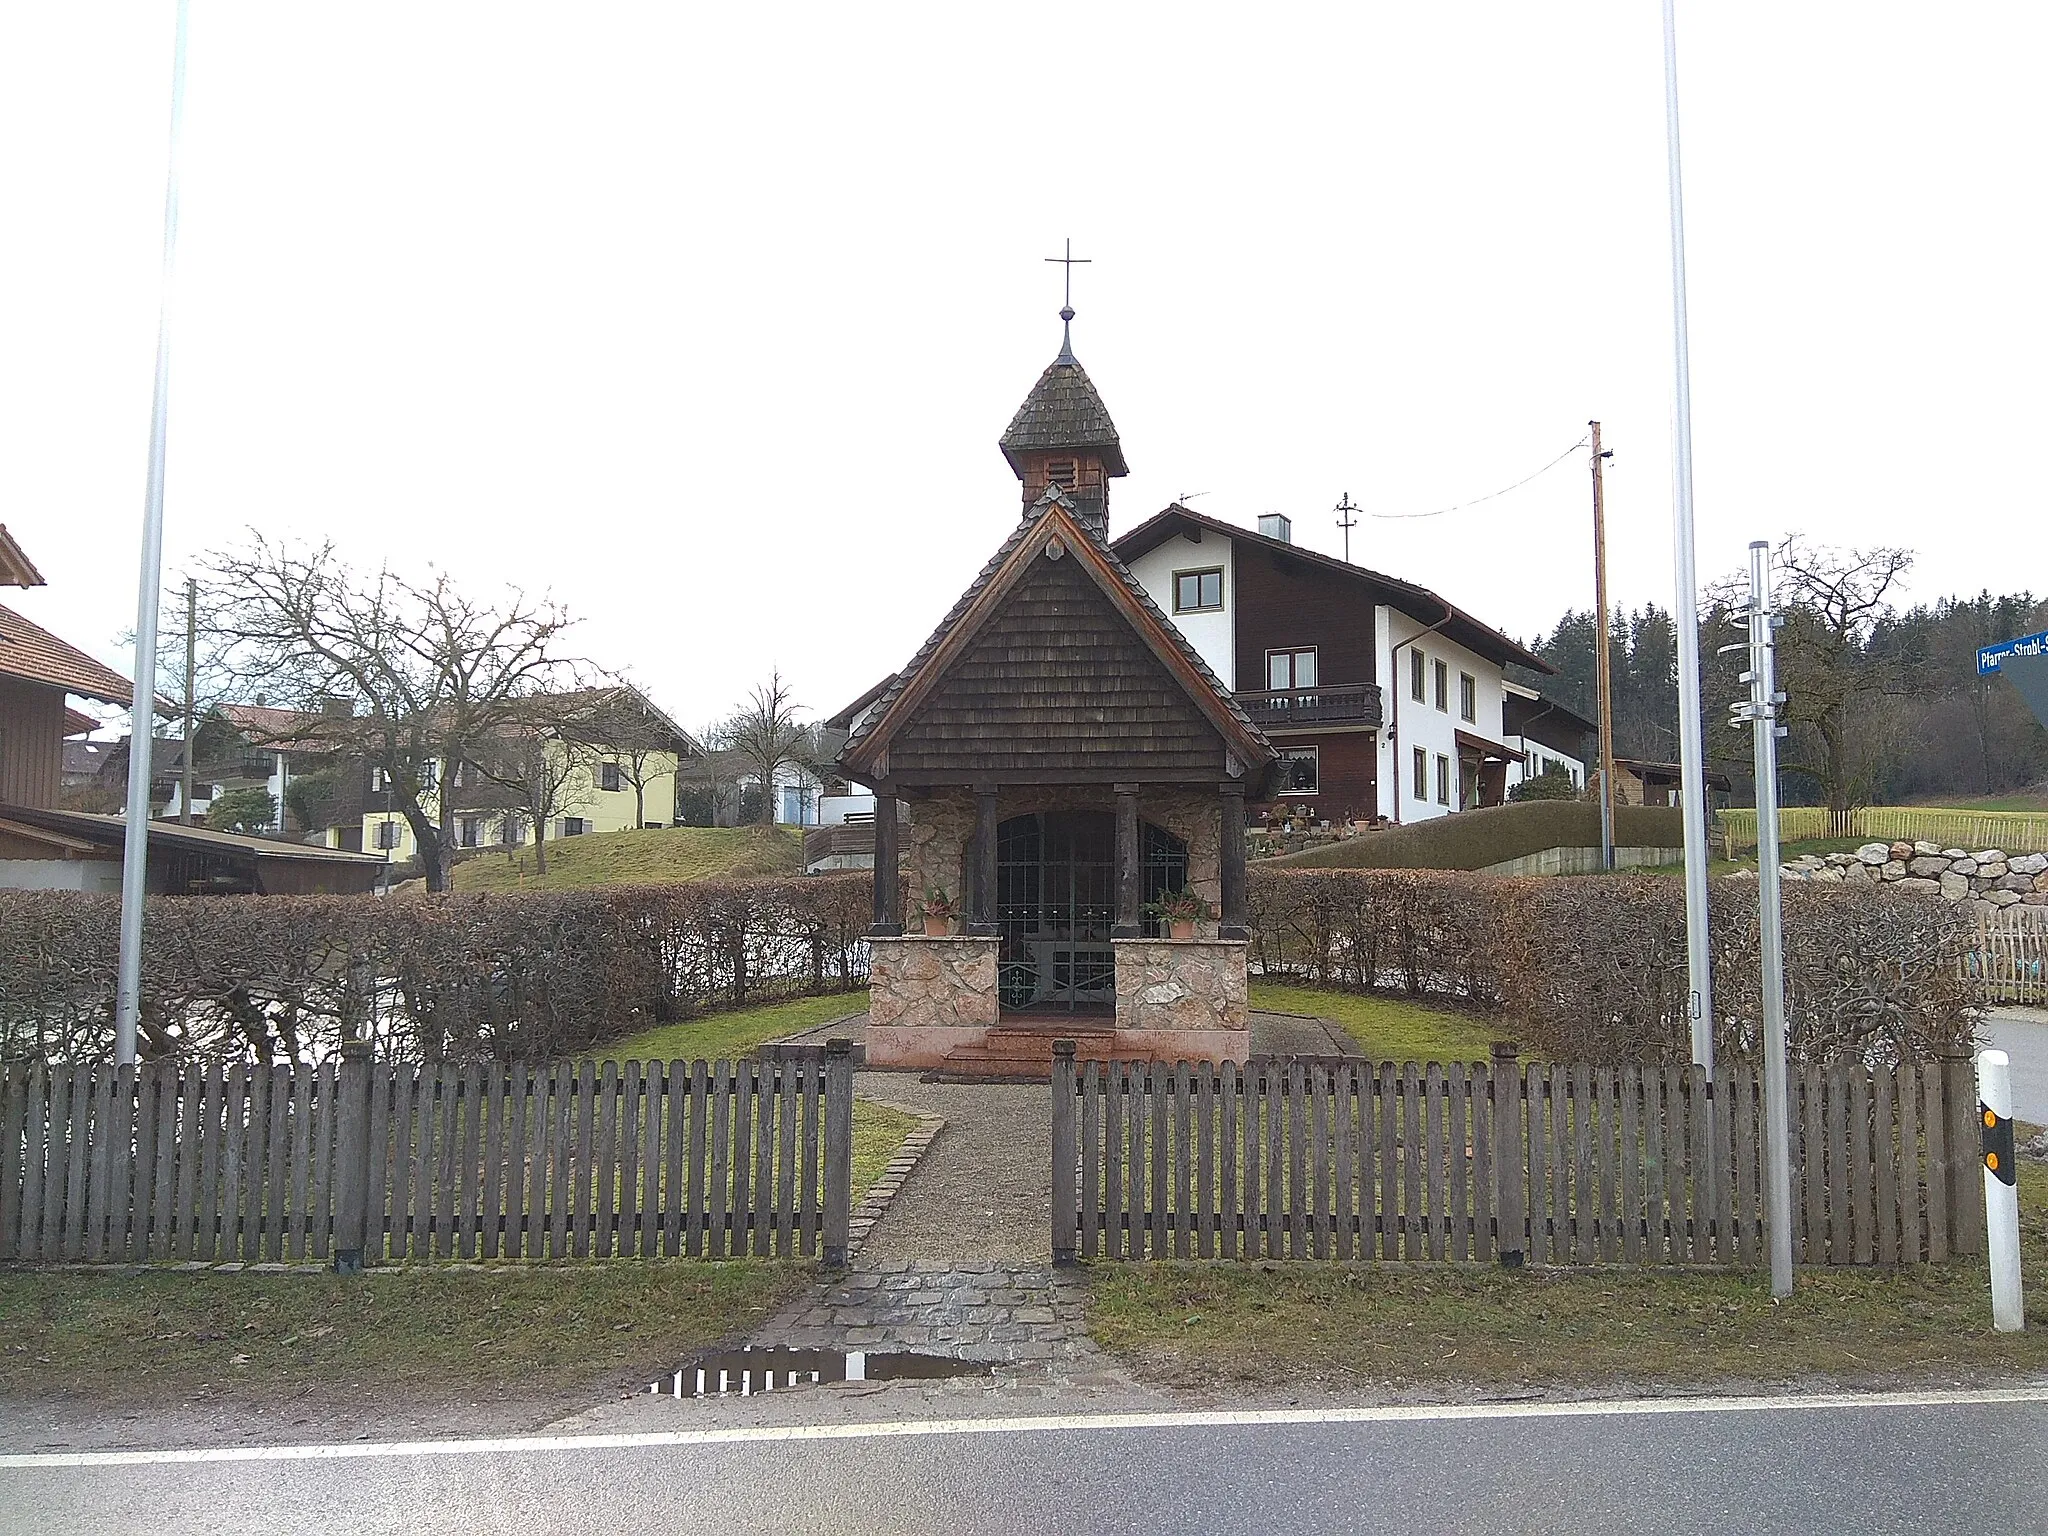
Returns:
(915, 982)
(1176, 985)
(1989, 882)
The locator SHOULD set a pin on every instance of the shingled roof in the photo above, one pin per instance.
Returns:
(1165, 635)
(1063, 411)
(16, 569)
(32, 653)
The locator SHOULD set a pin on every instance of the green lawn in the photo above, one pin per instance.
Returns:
(730, 1036)
(878, 1131)
(1234, 1327)
(664, 856)
(1390, 1028)
(2023, 801)
(153, 1339)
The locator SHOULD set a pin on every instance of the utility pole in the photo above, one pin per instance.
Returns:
(1602, 662)
(191, 710)
(1346, 521)
(1760, 713)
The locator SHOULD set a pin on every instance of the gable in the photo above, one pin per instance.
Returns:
(1057, 682)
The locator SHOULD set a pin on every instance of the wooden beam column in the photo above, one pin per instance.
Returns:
(982, 919)
(1130, 877)
(1231, 924)
(888, 921)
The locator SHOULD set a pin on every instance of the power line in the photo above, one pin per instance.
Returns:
(1461, 506)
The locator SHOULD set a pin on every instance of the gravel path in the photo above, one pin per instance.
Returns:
(984, 1190)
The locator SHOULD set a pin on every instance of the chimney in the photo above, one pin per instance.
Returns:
(1277, 525)
(337, 708)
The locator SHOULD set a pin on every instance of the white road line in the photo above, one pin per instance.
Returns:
(1204, 1419)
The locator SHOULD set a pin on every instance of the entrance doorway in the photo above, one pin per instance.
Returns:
(1056, 905)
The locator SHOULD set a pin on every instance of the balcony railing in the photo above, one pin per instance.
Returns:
(1337, 704)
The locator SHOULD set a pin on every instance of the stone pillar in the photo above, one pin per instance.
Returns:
(1130, 878)
(1232, 924)
(888, 885)
(982, 917)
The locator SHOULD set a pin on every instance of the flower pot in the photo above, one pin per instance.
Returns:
(1181, 930)
(938, 927)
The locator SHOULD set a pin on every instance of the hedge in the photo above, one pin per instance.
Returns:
(1594, 968)
(462, 976)
(1492, 834)
(1586, 968)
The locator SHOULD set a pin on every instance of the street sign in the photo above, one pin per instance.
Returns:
(2027, 645)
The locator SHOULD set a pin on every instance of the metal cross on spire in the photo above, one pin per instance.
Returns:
(1069, 262)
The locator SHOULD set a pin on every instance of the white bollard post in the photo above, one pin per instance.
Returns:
(2001, 1190)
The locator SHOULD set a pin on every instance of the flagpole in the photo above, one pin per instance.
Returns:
(1691, 744)
(142, 706)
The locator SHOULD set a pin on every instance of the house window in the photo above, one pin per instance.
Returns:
(1421, 774)
(515, 832)
(609, 779)
(1289, 670)
(387, 835)
(1442, 674)
(376, 781)
(1468, 698)
(1415, 665)
(1299, 770)
(574, 826)
(430, 774)
(1060, 472)
(1443, 779)
(469, 827)
(1197, 591)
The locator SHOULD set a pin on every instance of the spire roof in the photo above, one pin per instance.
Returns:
(1063, 410)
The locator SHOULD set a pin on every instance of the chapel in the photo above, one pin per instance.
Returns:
(1056, 760)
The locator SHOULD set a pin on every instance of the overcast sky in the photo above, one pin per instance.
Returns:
(708, 320)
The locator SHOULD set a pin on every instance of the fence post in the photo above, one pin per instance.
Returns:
(1510, 1191)
(1065, 1153)
(838, 1148)
(1966, 1194)
(352, 1158)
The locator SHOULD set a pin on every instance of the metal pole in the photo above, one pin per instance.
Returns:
(2001, 1190)
(1692, 756)
(142, 707)
(191, 696)
(1762, 714)
(1602, 662)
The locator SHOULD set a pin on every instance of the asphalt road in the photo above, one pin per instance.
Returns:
(1860, 1467)
(2022, 1033)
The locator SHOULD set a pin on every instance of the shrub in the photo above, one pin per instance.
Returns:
(1551, 784)
(1594, 968)
(504, 975)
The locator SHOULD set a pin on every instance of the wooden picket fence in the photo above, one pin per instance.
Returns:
(2011, 958)
(356, 1161)
(1336, 1158)
(2012, 831)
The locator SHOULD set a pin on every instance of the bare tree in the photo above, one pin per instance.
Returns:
(1831, 598)
(637, 740)
(441, 675)
(767, 734)
(547, 770)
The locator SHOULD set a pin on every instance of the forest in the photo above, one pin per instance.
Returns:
(1885, 705)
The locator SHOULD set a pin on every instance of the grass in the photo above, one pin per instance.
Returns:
(2023, 802)
(731, 1036)
(1389, 1028)
(155, 1338)
(878, 1131)
(1492, 835)
(664, 856)
(1233, 1327)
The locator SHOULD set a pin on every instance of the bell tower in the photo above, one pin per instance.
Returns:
(1061, 437)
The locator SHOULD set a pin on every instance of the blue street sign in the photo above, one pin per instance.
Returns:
(2026, 645)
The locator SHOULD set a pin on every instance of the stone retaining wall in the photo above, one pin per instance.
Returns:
(1989, 882)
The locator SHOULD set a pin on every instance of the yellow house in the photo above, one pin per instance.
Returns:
(607, 787)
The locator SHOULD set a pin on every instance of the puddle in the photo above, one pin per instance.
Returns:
(744, 1372)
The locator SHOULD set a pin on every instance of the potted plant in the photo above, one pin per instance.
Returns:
(1180, 911)
(939, 912)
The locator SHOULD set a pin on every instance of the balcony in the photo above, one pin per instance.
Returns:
(1335, 704)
